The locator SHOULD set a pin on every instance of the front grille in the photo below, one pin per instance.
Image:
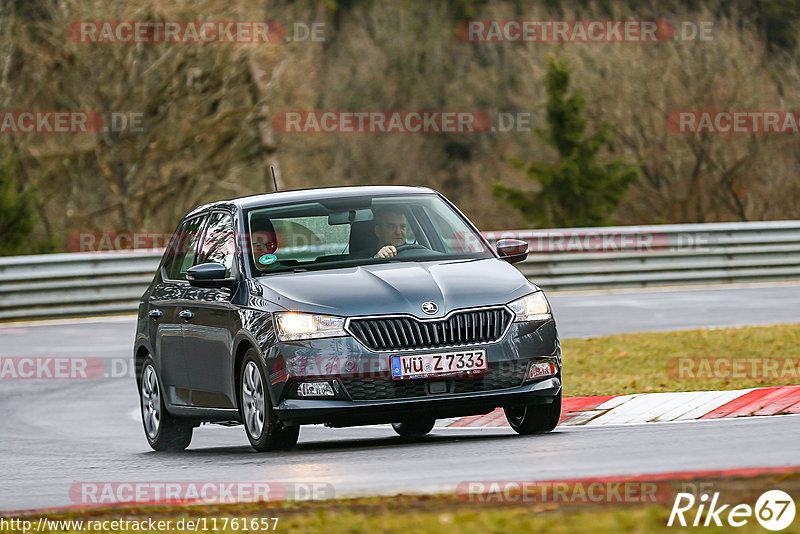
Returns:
(500, 376)
(403, 333)
(382, 389)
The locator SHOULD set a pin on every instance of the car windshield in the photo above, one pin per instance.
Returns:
(347, 232)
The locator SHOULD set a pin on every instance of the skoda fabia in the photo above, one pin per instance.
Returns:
(343, 306)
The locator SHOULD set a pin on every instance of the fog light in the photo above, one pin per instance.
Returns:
(540, 369)
(315, 389)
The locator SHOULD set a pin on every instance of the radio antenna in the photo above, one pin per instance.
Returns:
(274, 179)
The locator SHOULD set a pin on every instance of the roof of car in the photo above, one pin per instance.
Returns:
(302, 195)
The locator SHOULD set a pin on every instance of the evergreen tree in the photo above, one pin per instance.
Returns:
(577, 190)
(16, 212)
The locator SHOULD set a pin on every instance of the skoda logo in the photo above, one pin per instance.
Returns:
(430, 307)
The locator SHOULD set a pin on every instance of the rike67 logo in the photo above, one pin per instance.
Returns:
(774, 510)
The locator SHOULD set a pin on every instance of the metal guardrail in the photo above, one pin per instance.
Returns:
(658, 255)
(53, 285)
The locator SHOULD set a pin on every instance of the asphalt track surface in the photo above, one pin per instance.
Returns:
(56, 433)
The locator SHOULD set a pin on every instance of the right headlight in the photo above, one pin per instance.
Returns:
(531, 307)
(293, 326)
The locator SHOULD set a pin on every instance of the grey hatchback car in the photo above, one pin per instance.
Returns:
(344, 306)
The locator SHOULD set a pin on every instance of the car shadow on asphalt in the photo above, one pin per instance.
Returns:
(364, 443)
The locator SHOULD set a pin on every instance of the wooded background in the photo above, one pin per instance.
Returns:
(207, 109)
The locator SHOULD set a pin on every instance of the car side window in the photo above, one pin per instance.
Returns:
(219, 242)
(184, 248)
(172, 247)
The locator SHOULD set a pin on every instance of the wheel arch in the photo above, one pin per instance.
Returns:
(243, 342)
(140, 353)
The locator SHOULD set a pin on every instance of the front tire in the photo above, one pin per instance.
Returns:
(414, 429)
(264, 430)
(163, 432)
(535, 418)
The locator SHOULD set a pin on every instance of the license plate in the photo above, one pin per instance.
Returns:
(446, 363)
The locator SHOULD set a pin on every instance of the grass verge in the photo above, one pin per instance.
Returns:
(638, 363)
(448, 513)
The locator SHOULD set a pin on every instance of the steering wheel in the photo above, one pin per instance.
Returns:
(409, 246)
(421, 251)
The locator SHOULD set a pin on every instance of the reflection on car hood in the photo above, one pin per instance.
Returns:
(394, 288)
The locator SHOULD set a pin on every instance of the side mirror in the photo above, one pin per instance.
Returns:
(209, 275)
(512, 250)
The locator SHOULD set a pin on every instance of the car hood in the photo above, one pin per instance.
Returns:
(398, 288)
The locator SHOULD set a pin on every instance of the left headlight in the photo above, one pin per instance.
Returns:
(293, 326)
(532, 307)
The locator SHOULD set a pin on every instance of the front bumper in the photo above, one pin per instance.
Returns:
(376, 401)
(339, 413)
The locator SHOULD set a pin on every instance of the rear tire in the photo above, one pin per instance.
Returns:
(264, 430)
(414, 429)
(163, 432)
(535, 418)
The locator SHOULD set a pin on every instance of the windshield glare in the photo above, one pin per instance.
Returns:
(347, 232)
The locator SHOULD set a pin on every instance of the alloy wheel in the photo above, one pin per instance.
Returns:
(151, 402)
(253, 400)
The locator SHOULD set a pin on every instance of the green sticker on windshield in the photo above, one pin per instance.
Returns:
(266, 259)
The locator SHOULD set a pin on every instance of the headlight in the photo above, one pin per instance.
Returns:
(532, 307)
(293, 326)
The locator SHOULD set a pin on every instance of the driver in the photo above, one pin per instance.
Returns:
(391, 226)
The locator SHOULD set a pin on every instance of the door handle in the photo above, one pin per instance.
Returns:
(155, 314)
(186, 314)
